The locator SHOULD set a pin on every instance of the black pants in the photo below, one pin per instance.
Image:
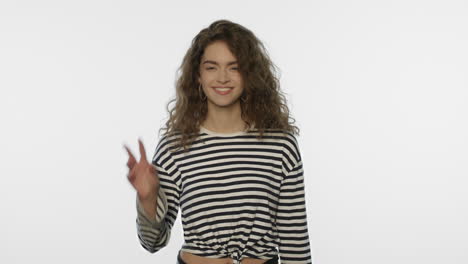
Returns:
(270, 261)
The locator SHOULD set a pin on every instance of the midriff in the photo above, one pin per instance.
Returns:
(190, 258)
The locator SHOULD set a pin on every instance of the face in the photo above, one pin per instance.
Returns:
(218, 68)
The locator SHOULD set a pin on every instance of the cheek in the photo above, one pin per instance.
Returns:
(208, 78)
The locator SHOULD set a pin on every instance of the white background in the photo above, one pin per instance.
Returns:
(378, 89)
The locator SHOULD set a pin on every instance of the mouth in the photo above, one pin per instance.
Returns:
(222, 90)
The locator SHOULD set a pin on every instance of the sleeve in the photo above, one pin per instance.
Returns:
(154, 234)
(291, 220)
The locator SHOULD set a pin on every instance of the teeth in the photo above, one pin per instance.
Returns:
(223, 89)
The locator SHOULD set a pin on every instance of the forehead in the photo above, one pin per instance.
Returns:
(219, 52)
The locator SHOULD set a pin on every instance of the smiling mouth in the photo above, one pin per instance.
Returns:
(223, 91)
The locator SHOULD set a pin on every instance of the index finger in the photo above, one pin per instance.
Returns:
(142, 150)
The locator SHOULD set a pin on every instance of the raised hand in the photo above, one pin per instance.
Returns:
(142, 175)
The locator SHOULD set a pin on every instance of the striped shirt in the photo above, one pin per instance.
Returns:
(239, 196)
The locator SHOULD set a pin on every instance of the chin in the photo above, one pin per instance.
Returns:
(224, 103)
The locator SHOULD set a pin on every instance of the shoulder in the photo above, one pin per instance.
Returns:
(291, 150)
(288, 143)
(164, 148)
(286, 139)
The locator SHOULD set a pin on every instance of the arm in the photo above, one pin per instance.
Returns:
(291, 220)
(154, 222)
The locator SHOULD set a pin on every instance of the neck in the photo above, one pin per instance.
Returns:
(224, 119)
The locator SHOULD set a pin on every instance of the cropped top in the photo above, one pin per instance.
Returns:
(239, 196)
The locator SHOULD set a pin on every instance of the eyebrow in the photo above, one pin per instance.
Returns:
(215, 63)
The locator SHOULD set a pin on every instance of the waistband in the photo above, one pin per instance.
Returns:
(274, 260)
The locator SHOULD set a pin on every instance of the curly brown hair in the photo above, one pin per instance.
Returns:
(265, 105)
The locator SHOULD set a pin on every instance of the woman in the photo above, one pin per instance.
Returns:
(238, 179)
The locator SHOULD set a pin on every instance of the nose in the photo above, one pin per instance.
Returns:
(223, 76)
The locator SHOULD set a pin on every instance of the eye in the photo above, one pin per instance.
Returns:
(235, 68)
(209, 68)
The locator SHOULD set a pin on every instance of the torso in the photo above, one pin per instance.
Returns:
(190, 258)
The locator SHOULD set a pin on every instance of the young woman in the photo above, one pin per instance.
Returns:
(229, 160)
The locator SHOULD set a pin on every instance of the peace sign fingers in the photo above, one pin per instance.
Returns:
(142, 175)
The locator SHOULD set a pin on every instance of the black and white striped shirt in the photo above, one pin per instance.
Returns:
(239, 197)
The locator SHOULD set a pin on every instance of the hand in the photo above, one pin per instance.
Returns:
(142, 175)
